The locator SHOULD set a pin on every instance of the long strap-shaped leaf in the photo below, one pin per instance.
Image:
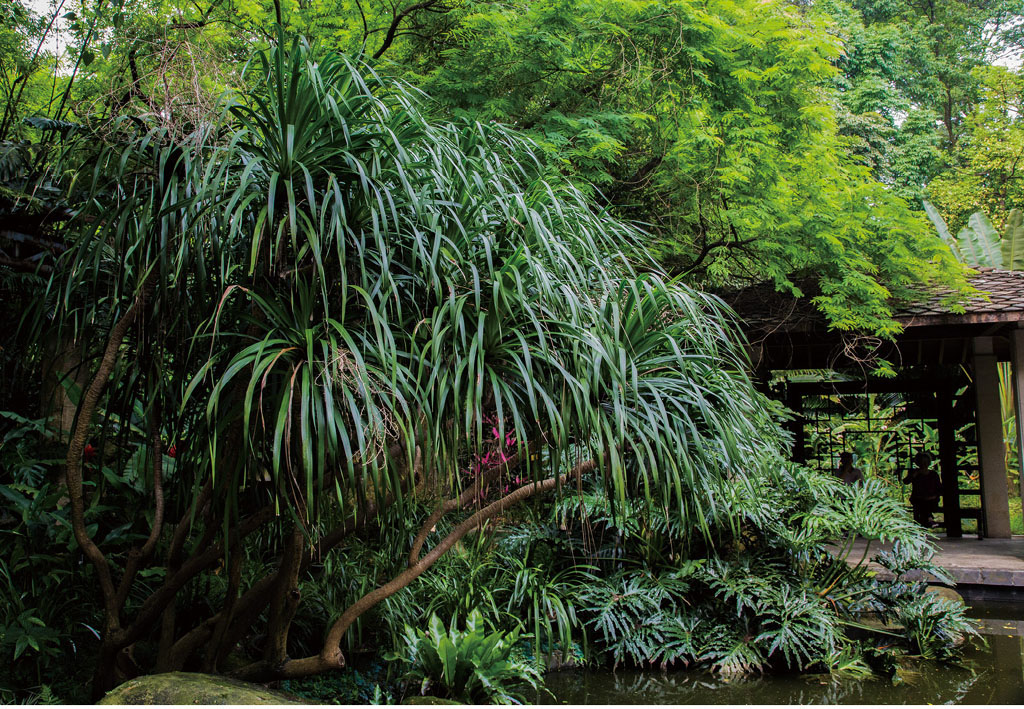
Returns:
(943, 229)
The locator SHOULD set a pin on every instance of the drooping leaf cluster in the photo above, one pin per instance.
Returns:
(334, 275)
(321, 306)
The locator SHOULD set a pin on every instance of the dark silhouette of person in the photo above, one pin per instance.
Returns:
(925, 489)
(846, 471)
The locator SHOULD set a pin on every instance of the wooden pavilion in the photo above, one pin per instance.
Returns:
(946, 366)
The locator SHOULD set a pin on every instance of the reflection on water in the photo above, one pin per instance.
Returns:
(997, 677)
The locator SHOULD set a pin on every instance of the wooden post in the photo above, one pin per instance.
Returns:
(1017, 374)
(948, 470)
(995, 500)
(795, 402)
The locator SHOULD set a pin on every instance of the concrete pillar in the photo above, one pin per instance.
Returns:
(1017, 373)
(991, 451)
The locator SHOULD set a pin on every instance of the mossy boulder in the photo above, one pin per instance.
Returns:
(945, 592)
(194, 688)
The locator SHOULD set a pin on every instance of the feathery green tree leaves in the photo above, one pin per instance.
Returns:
(711, 123)
(719, 126)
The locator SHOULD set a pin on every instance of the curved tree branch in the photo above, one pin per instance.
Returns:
(76, 450)
(471, 493)
(330, 656)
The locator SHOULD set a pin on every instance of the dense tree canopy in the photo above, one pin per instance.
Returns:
(754, 141)
(712, 124)
(927, 89)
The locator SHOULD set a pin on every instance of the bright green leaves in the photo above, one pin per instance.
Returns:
(471, 665)
(713, 125)
(978, 244)
(1012, 244)
(983, 166)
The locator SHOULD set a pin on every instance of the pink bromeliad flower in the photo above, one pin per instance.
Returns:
(499, 453)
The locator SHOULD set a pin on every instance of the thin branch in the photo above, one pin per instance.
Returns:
(138, 557)
(184, 526)
(389, 38)
(231, 598)
(366, 30)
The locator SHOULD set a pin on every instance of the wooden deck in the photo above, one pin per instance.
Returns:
(981, 562)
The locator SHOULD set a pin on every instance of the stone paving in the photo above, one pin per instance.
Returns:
(969, 560)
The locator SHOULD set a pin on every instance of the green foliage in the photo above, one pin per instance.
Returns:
(330, 285)
(775, 594)
(751, 140)
(903, 558)
(348, 686)
(911, 72)
(935, 628)
(353, 281)
(470, 666)
(46, 611)
(1013, 241)
(333, 285)
(848, 662)
(639, 617)
(712, 125)
(22, 61)
(980, 244)
(546, 599)
(982, 173)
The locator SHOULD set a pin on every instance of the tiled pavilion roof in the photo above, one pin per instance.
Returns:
(1001, 300)
(1005, 302)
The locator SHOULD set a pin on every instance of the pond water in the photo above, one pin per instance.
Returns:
(995, 675)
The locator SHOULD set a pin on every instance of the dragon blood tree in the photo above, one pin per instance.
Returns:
(320, 312)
